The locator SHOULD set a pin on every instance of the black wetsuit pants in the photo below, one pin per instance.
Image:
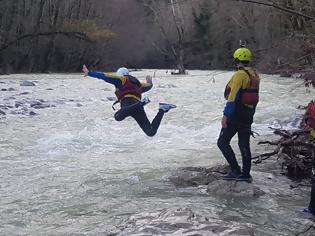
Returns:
(244, 132)
(312, 202)
(132, 107)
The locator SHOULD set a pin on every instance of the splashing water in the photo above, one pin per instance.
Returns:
(73, 169)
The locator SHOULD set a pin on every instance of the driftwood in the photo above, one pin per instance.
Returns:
(296, 150)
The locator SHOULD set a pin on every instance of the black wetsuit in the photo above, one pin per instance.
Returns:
(239, 120)
(130, 100)
(312, 202)
(132, 107)
(243, 130)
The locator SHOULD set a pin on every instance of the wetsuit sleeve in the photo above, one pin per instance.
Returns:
(235, 85)
(117, 81)
(145, 87)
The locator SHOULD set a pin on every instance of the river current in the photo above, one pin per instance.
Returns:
(72, 169)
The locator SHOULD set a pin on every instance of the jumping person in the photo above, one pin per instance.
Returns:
(241, 94)
(128, 92)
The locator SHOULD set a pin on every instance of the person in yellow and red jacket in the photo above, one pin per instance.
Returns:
(129, 93)
(242, 95)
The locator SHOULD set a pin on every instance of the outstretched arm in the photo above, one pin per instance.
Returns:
(117, 81)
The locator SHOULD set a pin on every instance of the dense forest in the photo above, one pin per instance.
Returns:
(61, 35)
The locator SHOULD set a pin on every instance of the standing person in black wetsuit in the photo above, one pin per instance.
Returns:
(241, 93)
(128, 92)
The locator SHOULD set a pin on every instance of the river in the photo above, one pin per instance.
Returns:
(72, 169)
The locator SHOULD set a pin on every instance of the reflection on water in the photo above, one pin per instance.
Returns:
(73, 169)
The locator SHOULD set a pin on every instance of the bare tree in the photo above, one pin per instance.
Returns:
(173, 32)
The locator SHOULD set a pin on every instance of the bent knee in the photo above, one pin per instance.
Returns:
(150, 133)
(221, 143)
(118, 117)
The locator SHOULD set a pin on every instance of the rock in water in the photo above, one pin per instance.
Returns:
(194, 176)
(234, 189)
(212, 177)
(24, 93)
(27, 83)
(2, 113)
(111, 98)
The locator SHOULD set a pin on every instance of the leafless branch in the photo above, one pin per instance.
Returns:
(272, 4)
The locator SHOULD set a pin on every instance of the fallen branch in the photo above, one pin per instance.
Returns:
(295, 149)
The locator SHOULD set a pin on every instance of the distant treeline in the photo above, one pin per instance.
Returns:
(61, 35)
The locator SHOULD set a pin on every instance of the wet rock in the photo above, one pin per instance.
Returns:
(5, 107)
(2, 112)
(35, 103)
(39, 104)
(18, 104)
(18, 112)
(27, 83)
(111, 99)
(234, 188)
(24, 93)
(194, 176)
(212, 177)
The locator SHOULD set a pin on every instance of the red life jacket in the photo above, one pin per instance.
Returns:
(310, 117)
(132, 86)
(250, 95)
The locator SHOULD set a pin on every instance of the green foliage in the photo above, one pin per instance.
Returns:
(91, 29)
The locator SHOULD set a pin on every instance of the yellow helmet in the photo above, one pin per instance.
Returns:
(243, 54)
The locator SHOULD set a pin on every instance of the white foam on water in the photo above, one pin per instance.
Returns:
(74, 169)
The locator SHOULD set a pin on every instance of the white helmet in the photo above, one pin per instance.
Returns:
(122, 71)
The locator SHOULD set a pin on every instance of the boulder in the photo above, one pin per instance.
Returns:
(194, 176)
(234, 189)
(24, 93)
(212, 177)
(2, 113)
(27, 83)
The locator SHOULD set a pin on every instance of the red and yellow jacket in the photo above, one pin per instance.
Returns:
(243, 88)
(126, 86)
